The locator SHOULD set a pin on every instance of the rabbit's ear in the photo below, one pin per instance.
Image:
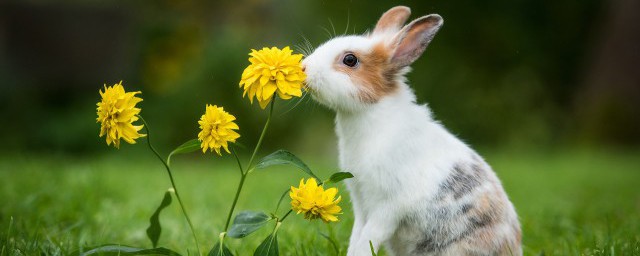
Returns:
(392, 20)
(409, 44)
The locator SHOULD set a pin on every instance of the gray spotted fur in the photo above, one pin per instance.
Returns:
(469, 204)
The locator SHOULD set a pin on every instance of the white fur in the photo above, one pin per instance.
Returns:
(397, 153)
(329, 86)
(384, 138)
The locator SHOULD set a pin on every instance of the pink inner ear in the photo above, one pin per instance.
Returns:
(414, 38)
(392, 20)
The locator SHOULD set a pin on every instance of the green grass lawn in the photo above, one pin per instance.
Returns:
(570, 203)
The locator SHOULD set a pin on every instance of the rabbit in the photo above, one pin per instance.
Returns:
(417, 190)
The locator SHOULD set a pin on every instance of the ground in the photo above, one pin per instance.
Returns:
(570, 202)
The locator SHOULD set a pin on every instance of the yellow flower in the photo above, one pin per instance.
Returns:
(314, 201)
(116, 113)
(217, 129)
(273, 70)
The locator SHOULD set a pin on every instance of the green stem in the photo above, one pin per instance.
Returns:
(285, 215)
(284, 194)
(244, 174)
(173, 183)
(235, 201)
(264, 131)
(237, 160)
(275, 229)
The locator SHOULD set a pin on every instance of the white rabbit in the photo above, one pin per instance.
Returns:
(417, 190)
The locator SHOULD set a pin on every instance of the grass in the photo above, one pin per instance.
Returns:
(570, 202)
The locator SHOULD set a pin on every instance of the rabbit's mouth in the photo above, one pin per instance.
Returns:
(309, 89)
(309, 83)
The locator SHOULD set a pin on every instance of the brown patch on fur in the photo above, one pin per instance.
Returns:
(516, 227)
(515, 248)
(488, 211)
(392, 20)
(483, 243)
(489, 214)
(374, 75)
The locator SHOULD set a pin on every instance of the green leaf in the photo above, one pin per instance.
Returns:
(339, 176)
(247, 222)
(154, 229)
(373, 252)
(220, 250)
(282, 157)
(112, 249)
(186, 147)
(268, 247)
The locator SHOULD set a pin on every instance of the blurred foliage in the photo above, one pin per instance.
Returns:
(499, 73)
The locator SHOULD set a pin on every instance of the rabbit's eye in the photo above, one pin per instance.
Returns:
(350, 60)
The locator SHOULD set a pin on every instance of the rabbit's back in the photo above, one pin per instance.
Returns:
(469, 215)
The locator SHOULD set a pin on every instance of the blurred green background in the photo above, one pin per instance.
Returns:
(547, 91)
(500, 73)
